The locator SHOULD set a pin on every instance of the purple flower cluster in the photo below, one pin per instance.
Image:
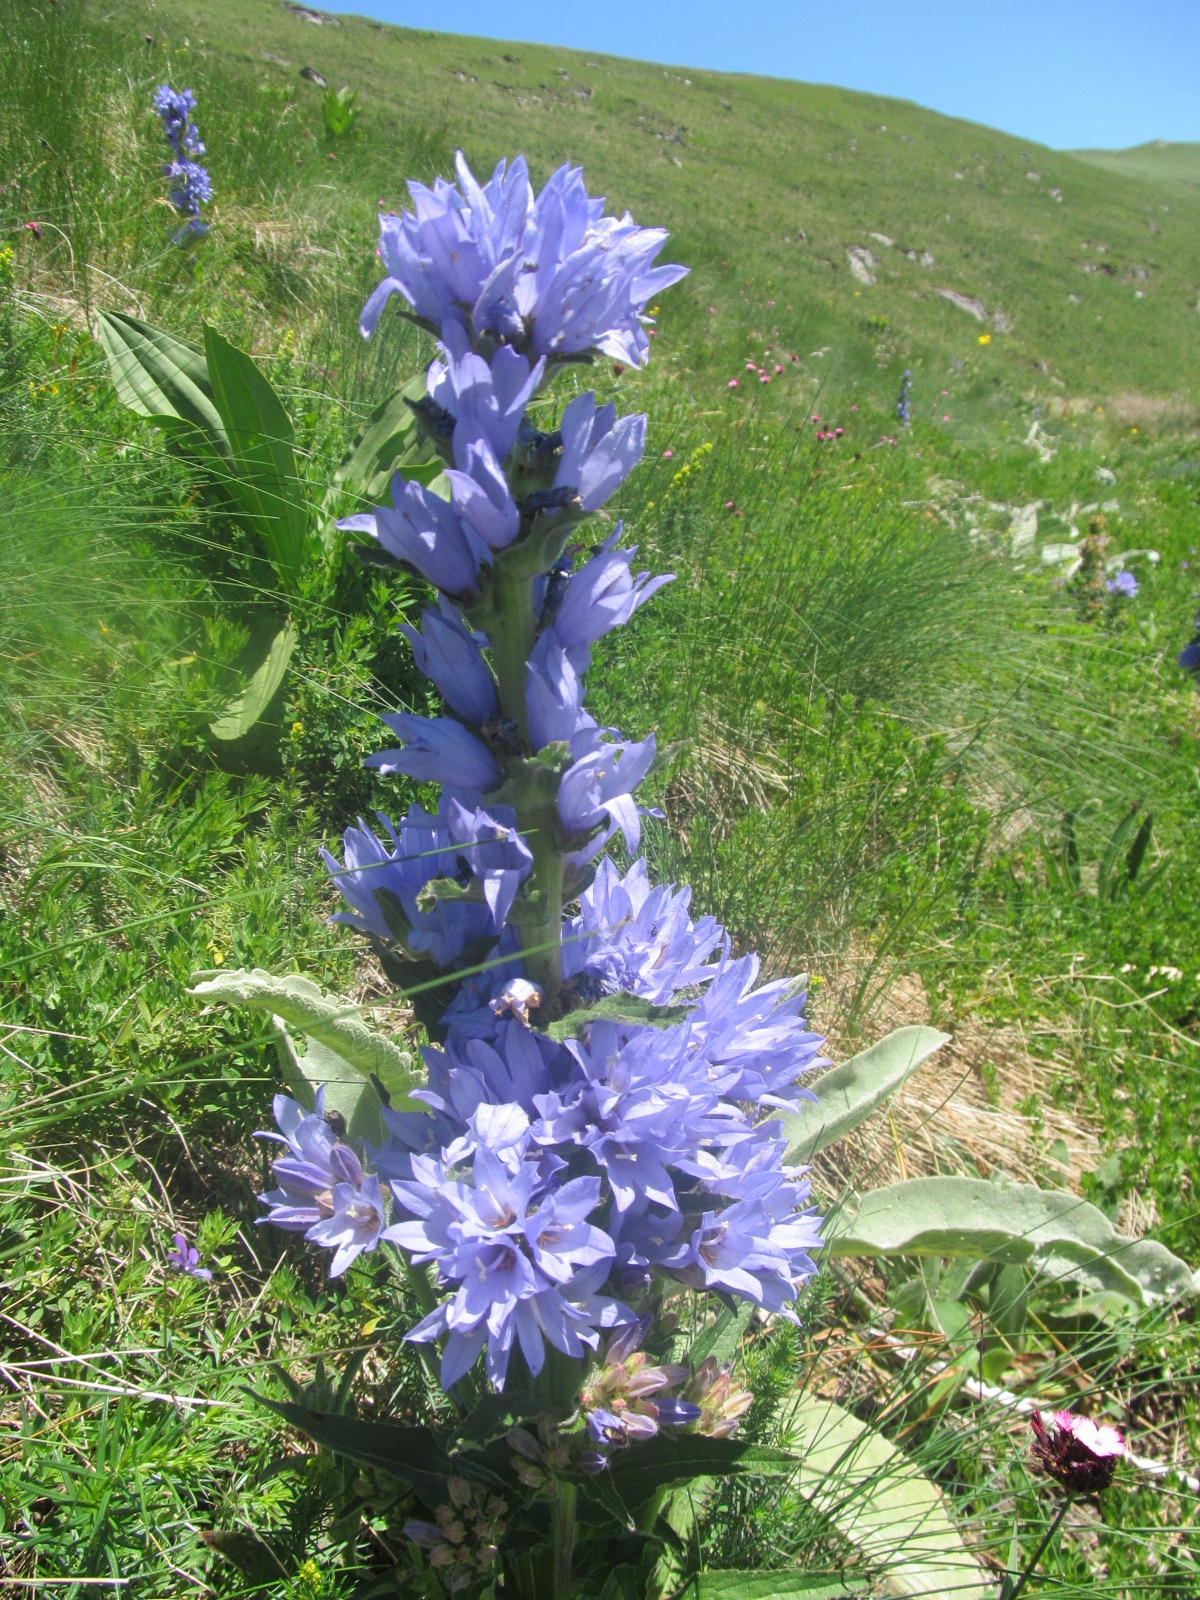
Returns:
(597, 1118)
(191, 184)
(549, 274)
(186, 1258)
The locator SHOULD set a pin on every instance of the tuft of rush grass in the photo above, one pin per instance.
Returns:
(876, 717)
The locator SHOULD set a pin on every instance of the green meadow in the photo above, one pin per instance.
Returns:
(916, 747)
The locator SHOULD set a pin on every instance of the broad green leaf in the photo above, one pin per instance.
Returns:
(198, 449)
(493, 1414)
(848, 1094)
(617, 1008)
(389, 442)
(721, 1341)
(351, 1096)
(307, 1009)
(161, 377)
(653, 1465)
(264, 482)
(1055, 1233)
(340, 110)
(879, 1499)
(1008, 1301)
(248, 705)
(411, 1455)
(772, 1586)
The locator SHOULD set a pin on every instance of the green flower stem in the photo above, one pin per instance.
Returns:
(564, 1538)
(531, 786)
(1032, 1565)
(546, 882)
(513, 634)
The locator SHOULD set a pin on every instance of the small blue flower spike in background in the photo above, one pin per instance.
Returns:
(191, 184)
(904, 405)
(186, 1258)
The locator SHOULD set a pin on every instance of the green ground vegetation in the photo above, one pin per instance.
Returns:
(905, 741)
(1164, 164)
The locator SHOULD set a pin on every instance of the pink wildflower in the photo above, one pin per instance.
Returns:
(1080, 1454)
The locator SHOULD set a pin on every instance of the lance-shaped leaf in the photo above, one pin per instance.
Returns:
(773, 1586)
(306, 1008)
(847, 1094)
(644, 1469)
(410, 1455)
(390, 442)
(264, 482)
(161, 377)
(1055, 1233)
(354, 1098)
(721, 1341)
(880, 1500)
(248, 705)
(617, 1008)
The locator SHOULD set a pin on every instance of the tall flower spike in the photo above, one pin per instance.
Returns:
(556, 1164)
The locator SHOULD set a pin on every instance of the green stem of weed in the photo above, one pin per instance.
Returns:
(1031, 1566)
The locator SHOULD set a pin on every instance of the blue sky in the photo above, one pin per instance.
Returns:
(1067, 73)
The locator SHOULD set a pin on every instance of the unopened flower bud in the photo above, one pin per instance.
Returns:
(426, 1534)
(524, 1444)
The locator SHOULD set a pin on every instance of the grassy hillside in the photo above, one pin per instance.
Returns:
(1171, 166)
(765, 185)
(910, 752)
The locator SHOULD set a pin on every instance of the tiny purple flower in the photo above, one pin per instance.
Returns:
(186, 1258)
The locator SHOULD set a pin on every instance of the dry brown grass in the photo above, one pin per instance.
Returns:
(983, 1104)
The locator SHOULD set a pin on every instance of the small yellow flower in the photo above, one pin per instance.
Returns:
(985, 338)
(297, 729)
(1133, 430)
